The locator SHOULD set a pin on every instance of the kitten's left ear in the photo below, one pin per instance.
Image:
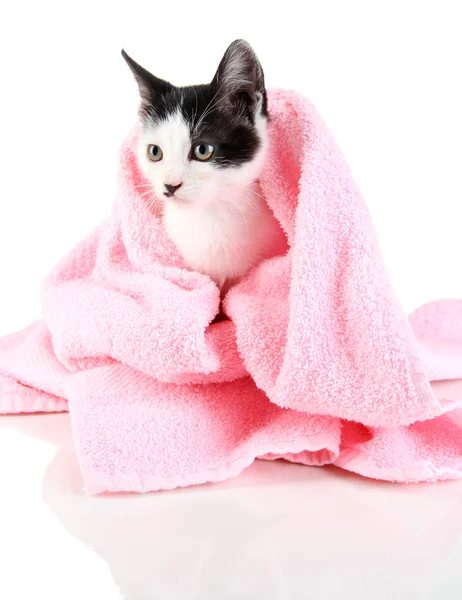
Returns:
(239, 79)
(148, 84)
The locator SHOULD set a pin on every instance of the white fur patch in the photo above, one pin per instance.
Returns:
(172, 136)
(217, 219)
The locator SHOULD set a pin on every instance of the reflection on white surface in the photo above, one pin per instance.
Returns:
(278, 531)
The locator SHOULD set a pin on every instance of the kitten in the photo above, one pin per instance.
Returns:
(202, 147)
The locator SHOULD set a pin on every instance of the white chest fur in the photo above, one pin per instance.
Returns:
(224, 241)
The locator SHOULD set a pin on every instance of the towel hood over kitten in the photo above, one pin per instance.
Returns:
(202, 149)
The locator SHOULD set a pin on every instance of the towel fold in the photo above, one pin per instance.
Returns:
(317, 364)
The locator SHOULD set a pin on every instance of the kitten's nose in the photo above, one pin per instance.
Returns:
(171, 189)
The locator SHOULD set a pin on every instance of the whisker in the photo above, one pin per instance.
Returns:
(146, 193)
(214, 107)
(201, 118)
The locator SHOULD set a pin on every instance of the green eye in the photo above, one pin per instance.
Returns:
(154, 153)
(203, 151)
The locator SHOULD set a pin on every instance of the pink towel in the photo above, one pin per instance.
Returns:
(318, 364)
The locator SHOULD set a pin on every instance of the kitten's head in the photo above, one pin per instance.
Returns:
(199, 143)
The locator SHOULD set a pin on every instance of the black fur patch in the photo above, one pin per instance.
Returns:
(221, 113)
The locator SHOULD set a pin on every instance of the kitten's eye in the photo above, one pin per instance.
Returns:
(203, 151)
(154, 153)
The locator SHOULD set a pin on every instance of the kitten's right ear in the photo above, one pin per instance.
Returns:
(239, 80)
(148, 84)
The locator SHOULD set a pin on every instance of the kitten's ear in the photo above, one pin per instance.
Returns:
(239, 78)
(148, 84)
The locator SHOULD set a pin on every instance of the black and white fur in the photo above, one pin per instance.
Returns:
(212, 210)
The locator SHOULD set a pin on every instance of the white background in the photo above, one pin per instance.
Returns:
(387, 79)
